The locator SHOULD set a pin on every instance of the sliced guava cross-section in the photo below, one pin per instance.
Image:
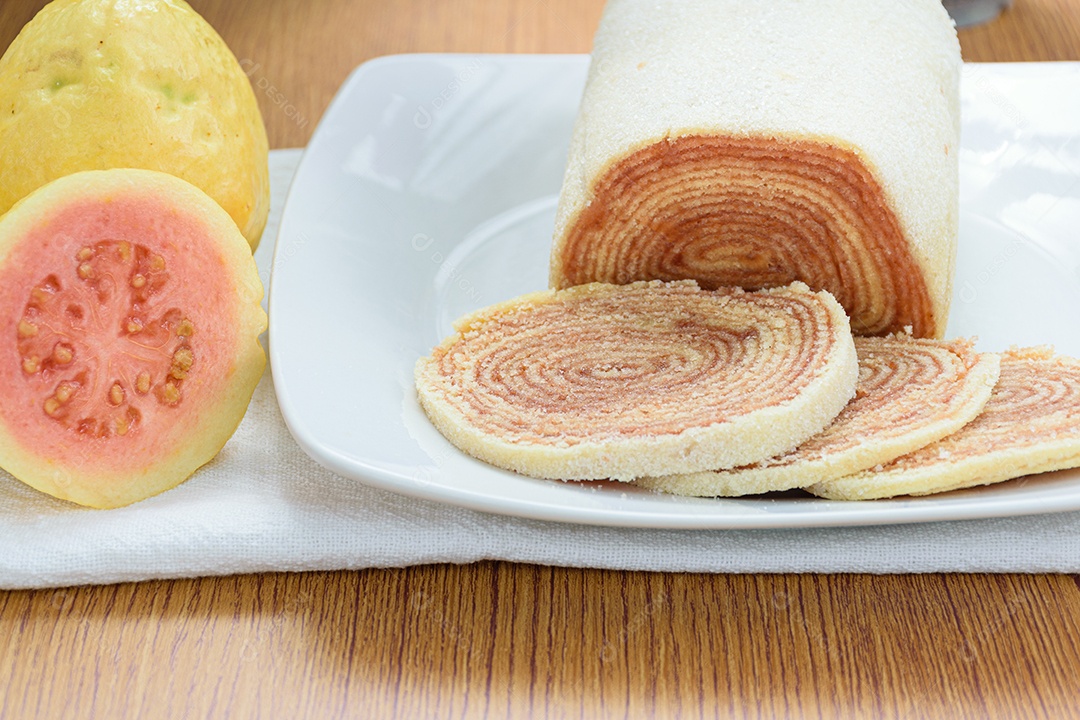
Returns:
(129, 322)
(97, 347)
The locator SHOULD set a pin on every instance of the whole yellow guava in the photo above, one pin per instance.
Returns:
(99, 84)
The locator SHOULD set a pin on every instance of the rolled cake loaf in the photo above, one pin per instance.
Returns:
(753, 144)
(1031, 424)
(910, 393)
(606, 381)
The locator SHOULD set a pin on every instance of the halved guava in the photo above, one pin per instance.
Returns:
(129, 324)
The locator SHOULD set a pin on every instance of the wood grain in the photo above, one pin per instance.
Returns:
(497, 639)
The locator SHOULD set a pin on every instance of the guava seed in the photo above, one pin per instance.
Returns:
(169, 394)
(52, 407)
(64, 392)
(183, 359)
(185, 328)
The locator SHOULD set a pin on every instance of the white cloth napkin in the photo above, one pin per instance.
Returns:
(263, 505)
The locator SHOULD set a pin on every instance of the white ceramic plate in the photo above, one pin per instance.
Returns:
(429, 190)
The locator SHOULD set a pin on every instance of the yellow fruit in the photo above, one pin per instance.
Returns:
(98, 84)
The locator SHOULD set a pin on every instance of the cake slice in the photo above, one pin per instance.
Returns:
(1031, 424)
(607, 381)
(910, 393)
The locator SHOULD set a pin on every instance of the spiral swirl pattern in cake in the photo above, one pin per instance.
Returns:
(752, 212)
(910, 393)
(1031, 424)
(604, 381)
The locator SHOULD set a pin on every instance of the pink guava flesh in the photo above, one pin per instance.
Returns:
(115, 330)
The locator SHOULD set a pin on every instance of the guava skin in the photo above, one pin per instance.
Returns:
(130, 315)
(99, 84)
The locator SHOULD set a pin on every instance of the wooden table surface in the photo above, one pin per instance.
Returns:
(498, 639)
